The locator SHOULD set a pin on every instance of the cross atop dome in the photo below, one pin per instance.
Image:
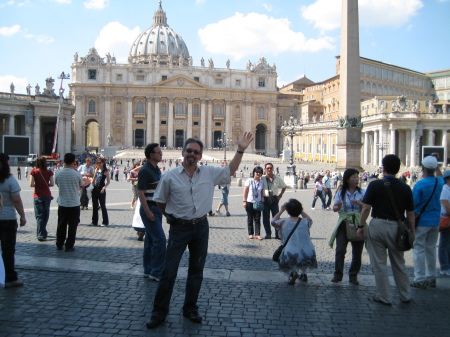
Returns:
(160, 18)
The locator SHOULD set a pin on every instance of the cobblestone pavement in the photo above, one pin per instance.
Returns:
(98, 290)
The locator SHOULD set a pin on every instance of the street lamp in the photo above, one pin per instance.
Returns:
(381, 147)
(62, 77)
(224, 142)
(291, 129)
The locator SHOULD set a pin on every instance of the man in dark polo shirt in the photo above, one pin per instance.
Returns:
(383, 231)
(155, 239)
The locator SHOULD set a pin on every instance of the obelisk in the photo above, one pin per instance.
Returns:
(349, 129)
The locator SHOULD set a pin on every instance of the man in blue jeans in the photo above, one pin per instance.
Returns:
(155, 239)
(185, 196)
(328, 193)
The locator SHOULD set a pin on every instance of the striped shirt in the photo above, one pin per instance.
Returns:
(148, 179)
(69, 182)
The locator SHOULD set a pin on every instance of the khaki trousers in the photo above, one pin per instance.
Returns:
(382, 237)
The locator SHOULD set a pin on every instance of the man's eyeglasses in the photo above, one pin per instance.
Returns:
(269, 168)
(197, 152)
(160, 152)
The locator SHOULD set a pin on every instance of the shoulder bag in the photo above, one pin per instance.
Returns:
(405, 237)
(350, 226)
(277, 253)
(444, 223)
(418, 216)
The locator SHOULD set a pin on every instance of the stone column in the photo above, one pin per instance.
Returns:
(444, 144)
(209, 124)
(392, 141)
(273, 129)
(36, 134)
(366, 148)
(148, 131)
(413, 148)
(203, 120)
(189, 119)
(157, 123)
(228, 118)
(375, 150)
(430, 137)
(107, 119)
(248, 122)
(170, 134)
(80, 112)
(62, 132)
(329, 148)
(129, 123)
(11, 125)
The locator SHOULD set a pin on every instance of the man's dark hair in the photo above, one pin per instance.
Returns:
(149, 149)
(69, 158)
(193, 140)
(391, 164)
(294, 207)
(265, 166)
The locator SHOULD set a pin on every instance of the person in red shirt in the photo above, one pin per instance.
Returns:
(42, 179)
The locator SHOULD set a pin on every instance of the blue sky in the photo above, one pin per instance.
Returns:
(38, 38)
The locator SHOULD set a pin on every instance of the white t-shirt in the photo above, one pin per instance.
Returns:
(348, 197)
(445, 195)
(319, 186)
(253, 187)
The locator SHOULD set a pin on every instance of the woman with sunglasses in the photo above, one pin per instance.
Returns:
(101, 182)
(253, 193)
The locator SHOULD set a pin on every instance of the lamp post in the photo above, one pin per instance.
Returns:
(291, 129)
(381, 147)
(62, 77)
(224, 142)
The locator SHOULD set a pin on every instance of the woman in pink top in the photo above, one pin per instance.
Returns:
(42, 179)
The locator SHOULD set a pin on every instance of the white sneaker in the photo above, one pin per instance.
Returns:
(328, 208)
(313, 208)
(445, 272)
(218, 212)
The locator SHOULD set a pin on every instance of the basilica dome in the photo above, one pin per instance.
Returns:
(159, 44)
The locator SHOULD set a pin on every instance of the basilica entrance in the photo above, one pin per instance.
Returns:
(216, 136)
(260, 139)
(139, 135)
(179, 138)
(92, 134)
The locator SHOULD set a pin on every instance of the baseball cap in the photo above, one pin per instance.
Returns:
(447, 174)
(429, 162)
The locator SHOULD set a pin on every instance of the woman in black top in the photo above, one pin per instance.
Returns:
(101, 180)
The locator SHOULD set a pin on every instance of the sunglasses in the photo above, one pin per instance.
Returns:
(197, 152)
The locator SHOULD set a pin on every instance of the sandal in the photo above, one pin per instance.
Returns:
(376, 299)
(250, 236)
(258, 237)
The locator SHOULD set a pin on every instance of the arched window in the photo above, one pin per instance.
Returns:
(163, 109)
(118, 107)
(261, 112)
(368, 86)
(362, 85)
(140, 107)
(180, 110)
(218, 110)
(374, 88)
(195, 110)
(91, 106)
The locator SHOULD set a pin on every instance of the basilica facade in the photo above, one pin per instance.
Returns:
(160, 96)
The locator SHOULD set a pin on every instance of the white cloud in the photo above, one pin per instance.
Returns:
(199, 2)
(62, 1)
(326, 14)
(40, 38)
(20, 84)
(116, 39)
(256, 34)
(268, 7)
(96, 4)
(9, 31)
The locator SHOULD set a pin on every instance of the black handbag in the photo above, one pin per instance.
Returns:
(277, 253)
(405, 237)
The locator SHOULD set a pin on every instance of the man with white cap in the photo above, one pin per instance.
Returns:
(426, 194)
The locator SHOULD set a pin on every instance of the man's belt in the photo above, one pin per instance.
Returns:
(386, 219)
(151, 202)
(179, 222)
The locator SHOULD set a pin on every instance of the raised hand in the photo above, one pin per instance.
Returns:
(245, 141)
